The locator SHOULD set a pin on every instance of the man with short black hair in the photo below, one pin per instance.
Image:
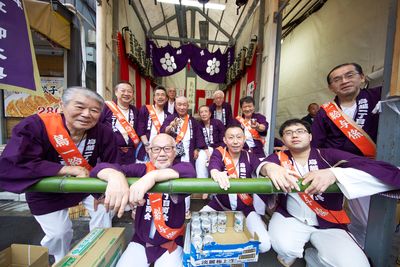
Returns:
(255, 126)
(348, 124)
(313, 215)
(151, 119)
(232, 162)
(312, 112)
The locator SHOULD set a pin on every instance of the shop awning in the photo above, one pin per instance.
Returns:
(48, 22)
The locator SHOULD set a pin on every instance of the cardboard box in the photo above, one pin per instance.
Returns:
(101, 247)
(19, 255)
(228, 249)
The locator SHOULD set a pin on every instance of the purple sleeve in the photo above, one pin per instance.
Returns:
(200, 142)
(142, 121)
(136, 117)
(262, 120)
(167, 121)
(318, 129)
(221, 134)
(106, 116)
(23, 162)
(273, 158)
(104, 165)
(185, 170)
(108, 149)
(384, 171)
(254, 162)
(134, 170)
(228, 113)
(216, 161)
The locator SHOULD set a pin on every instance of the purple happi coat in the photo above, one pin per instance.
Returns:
(108, 118)
(259, 147)
(327, 135)
(226, 113)
(173, 209)
(29, 156)
(216, 133)
(248, 163)
(196, 136)
(319, 159)
(144, 128)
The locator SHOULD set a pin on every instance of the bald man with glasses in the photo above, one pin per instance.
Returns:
(157, 239)
(348, 124)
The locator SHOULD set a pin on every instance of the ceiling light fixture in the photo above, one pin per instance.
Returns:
(194, 3)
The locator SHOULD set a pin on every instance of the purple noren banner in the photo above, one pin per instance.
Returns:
(211, 67)
(18, 68)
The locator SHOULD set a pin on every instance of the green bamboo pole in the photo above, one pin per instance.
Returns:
(186, 185)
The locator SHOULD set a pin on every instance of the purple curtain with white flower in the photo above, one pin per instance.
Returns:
(211, 67)
(167, 60)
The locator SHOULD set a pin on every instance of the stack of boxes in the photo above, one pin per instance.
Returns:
(219, 239)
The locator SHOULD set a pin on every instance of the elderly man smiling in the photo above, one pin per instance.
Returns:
(157, 239)
(67, 144)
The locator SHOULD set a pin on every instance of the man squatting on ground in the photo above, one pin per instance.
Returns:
(313, 215)
(67, 144)
(160, 218)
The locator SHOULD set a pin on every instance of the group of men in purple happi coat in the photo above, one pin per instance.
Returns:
(112, 140)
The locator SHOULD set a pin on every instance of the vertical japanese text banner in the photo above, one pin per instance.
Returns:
(18, 67)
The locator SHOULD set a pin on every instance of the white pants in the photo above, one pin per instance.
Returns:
(135, 256)
(201, 164)
(187, 203)
(359, 209)
(254, 224)
(57, 227)
(259, 205)
(334, 247)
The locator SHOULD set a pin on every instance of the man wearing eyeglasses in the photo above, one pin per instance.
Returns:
(159, 220)
(151, 117)
(348, 124)
(314, 216)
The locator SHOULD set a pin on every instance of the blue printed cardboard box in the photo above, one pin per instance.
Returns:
(229, 248)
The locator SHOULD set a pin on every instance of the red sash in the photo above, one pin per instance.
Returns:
(350, 129)
(254, 133)
(62, 141)
(124, 123)
(333, 216)
(157, 212)
(230, 168)
(182, 132)
(153, 116)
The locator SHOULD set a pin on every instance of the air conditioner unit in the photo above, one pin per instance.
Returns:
(91, 37)
(91, 54)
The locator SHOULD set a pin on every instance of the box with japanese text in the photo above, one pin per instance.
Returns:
(101, 247)
(226, 247)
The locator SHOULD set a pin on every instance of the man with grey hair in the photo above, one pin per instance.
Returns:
(122, 117)
(221, 110)
(67, 144)
(170, 105)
